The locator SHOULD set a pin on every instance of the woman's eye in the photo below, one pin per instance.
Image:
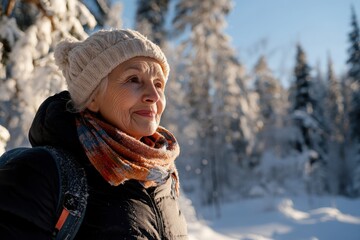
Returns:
(134, 79)
(159, 85)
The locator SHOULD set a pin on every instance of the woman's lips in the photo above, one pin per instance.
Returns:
(146, 113)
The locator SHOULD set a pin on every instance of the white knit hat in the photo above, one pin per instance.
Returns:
(85, 63)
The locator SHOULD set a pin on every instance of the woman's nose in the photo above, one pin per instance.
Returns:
(151, 94)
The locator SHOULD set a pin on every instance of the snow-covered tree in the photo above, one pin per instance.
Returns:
(305, 107)
(213, 76)
(334, 116)
(271, 102)
(106, 13)
(300, 102)
(333, 104)
(270, 92)
(353, 79)
(233, 111)
(307, 115)
(354, 76)
(302, 99)
(150, 19)
(30, 73)
(318, 94)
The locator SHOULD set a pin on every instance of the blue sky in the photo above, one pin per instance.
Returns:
(274, 27)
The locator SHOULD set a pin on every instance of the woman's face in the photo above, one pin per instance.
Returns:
(134, 98)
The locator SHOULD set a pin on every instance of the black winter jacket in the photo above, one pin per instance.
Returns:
(29, 191)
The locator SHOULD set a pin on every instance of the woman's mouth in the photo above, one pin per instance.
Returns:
(146, 113)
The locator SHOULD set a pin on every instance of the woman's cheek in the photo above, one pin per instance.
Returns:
(163, 103)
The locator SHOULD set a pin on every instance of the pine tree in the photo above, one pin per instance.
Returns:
(354, 77)
(303, 100)
(303, 104)
(150, 19)
(308, 117)
(232, 112)
(210, 68)
(269, 91)
(334, 127)
(333, 104)
(271, 106)
(318, 94)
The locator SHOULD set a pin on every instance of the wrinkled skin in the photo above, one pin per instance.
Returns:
(134, 99)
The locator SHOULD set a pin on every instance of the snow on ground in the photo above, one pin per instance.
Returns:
(298, 218)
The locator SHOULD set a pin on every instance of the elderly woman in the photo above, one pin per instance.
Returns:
(108, 121)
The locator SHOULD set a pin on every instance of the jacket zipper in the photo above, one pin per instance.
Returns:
(158, 217)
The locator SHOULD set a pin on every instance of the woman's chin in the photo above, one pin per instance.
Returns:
(144, 132)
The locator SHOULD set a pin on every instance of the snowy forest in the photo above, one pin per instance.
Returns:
(242, 133)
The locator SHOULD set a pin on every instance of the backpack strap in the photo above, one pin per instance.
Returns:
(10, 155)
(73, 191)
(73, 194)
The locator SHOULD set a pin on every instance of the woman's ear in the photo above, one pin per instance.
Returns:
(93, 106)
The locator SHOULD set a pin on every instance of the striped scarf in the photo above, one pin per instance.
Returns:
(119, 157)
